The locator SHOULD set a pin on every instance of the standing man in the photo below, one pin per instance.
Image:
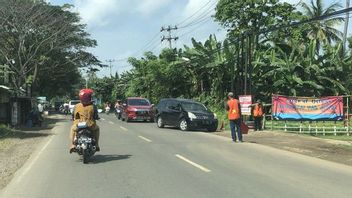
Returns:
(234, 116)
(257, 113)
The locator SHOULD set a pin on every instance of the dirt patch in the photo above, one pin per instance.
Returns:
(332, 150)
(17, 146)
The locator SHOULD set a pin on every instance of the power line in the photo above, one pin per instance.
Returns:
(275, 28)
(203, 15)
(194, 13)
(197, 27)
(169, 38)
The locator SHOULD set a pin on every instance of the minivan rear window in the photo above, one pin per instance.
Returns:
(189, 106)
(138, 102)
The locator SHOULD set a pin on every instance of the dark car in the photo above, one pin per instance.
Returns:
(137, 108)
(185, 114)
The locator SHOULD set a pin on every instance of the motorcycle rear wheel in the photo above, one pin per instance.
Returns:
(85, 156)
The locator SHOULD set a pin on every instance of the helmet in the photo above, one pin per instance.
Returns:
(85, 96)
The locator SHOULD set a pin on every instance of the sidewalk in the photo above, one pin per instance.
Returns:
(332, 150)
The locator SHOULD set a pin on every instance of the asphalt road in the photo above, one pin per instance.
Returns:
(140, 160)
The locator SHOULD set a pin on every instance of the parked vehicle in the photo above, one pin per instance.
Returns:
(185, 114)
(72, 104)
(136, 108)
(84, 142)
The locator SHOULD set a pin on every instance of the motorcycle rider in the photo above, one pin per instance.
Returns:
(117, 104)
(85, 111)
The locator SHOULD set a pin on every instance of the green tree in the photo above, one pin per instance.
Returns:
(37, 39)
(323, 30)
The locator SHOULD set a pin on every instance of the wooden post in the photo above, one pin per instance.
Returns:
(348, 116)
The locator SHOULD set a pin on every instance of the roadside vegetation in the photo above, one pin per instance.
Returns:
(305, 60)
(4, 131)
(261, 55)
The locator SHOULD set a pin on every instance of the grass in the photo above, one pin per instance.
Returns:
(4, 131)
(310, 127)
(5, 143)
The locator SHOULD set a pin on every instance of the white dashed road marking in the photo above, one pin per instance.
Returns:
(111, 122)
(193, 163)
(144, 138)
(123, 128)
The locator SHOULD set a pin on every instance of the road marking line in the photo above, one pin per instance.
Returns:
(193, 163)
(102, 118)
(111, 122)
(34, 160)
(144, 138)
(123, 128)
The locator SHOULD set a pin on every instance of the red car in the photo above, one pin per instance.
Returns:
(136, 108)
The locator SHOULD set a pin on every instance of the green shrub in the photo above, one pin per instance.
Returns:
(4, 130)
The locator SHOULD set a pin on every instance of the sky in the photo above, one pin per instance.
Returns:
(125, 28)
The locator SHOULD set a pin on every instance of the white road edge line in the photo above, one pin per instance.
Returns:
(111, 122)
(193, 163)
(123, 128)
(24, 172)
(144, 138)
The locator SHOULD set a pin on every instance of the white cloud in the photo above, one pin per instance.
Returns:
(96, 12)
(148, 7)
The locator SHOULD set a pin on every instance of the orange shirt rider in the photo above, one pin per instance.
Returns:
(234, 110)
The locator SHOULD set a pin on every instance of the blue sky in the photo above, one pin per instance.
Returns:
(126, 28)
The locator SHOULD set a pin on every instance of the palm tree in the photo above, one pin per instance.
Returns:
(323, 31)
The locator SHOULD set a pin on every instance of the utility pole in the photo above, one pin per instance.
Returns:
(346, 27)
(110, 61)
(169, 38)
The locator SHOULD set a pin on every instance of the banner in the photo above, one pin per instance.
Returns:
(306, 108)
(245, 102)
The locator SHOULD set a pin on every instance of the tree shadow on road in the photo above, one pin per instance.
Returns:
(96, 159)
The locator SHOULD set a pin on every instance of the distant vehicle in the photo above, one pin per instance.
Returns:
(72, 104)
(136, 108)
(185, 114)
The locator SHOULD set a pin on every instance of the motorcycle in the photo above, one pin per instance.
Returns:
(118, 113)
(107, 110)
(84, 142)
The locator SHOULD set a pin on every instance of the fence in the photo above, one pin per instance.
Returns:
(309, 127)
(342, 127)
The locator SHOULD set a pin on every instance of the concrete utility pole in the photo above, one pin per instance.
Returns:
(110, 61)
(169, 38)
(346, 27)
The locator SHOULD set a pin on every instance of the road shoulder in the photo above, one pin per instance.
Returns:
(17, 147)
(331, 150)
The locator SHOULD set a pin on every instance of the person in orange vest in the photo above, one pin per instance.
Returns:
(257, 112)
(234, 116)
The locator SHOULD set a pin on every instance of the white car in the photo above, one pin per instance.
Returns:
(72, 104)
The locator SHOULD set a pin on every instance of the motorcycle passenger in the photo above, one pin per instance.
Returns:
(85, 111)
